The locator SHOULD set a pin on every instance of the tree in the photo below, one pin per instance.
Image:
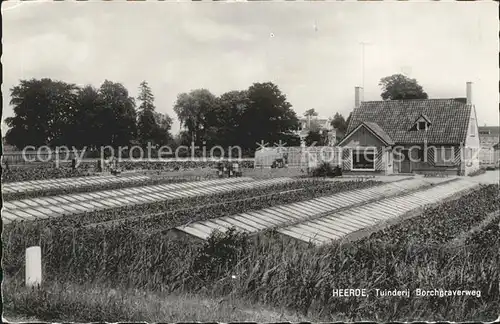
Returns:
(164, 124)
(152, 127)
(192, 109)
(317, 138)
(310, 112)
(146, 98)
(339, 123)
(291, 139)
(147, 126)
(314, 126)
(225, 120)
(88, 124)
(44, 111)
(400, 87)
(118, 115)
(269, 115)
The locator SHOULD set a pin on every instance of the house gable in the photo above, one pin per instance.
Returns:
(472, 136)
(362, 136)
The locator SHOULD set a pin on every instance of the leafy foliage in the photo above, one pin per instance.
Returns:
(43, 172)
(401, 87)
(316, 138)
(44, 113)
(310, 112)
(219, 253)
(153, 128)
(325, 169)
(340, 124)
(192, 109)
(56, 113)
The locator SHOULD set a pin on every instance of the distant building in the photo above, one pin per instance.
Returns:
(488, 138)
(322, 123)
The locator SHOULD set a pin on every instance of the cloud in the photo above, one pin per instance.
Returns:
(178, 47)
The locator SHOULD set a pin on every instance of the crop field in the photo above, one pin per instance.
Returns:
(43, 208)
(275, 241)
(283, 215)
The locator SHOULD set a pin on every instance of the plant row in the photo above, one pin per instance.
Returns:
(277, 271)
(170, 213)
(461, 215)
(78, 188)
(43, 172)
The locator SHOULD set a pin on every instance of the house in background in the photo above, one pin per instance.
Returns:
(488, 138)
(412, 136)
(311, 122)
(496, 154)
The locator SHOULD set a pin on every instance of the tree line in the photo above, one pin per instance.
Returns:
(56, 113)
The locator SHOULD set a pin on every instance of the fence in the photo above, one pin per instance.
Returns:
(489, 156)
(298, 157)
(19, 157)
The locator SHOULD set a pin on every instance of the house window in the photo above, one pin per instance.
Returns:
(363, 160)
(444, 156)
(420, 154)
(421, 125)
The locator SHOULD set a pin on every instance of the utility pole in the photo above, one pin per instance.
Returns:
(363, 60)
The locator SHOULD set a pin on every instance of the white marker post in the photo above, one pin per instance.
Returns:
(33, 266)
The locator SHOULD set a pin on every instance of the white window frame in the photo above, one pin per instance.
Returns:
(373, 151)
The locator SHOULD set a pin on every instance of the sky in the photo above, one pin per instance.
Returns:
(311, 50)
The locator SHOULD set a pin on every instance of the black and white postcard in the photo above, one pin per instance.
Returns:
(261, 161)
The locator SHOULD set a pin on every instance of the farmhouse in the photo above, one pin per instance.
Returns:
(412, 136)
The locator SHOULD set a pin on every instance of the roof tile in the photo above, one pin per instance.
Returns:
(449, 119)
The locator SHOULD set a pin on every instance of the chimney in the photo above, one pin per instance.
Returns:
(469, 93)
(358, 96)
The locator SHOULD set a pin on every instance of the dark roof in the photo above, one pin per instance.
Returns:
(374, 127)
(449, 119)
(494, 130)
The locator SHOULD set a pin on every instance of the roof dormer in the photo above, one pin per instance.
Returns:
(422, 123)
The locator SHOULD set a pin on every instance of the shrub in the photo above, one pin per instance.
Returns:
(477, 172)
(325, 169)
(219, 254)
